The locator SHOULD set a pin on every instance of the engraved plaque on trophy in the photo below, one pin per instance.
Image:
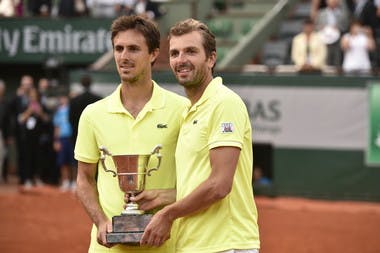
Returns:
(128, 227)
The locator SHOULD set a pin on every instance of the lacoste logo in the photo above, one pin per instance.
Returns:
(195, 122)
(162, 125)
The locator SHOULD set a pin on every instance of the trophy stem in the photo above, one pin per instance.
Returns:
(132, 208)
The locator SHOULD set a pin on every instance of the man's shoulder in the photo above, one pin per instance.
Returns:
(227, 96)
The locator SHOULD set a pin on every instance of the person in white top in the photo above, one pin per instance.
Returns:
(356, 46)
(104, 8)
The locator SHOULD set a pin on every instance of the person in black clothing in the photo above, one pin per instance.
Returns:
(19, 104)
(31, 122)
(4, 132)
(78, 103)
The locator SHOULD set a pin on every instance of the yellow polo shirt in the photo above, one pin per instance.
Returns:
(219, 118)
(107, 123)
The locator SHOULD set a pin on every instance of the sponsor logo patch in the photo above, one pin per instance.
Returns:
(227, 127)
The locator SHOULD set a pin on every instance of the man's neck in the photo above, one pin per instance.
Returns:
(134, 96)
(194, 93)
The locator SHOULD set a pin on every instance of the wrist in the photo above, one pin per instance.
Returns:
(169, 213)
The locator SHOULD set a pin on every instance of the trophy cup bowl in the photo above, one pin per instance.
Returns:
(131, 171)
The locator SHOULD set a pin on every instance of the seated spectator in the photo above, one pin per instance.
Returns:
(331, 22)
(356, 46)
(8, 8)
(104, 8)
(72, 8)
(308, 50)
(365, 12)
(147, 8)
(39, 8)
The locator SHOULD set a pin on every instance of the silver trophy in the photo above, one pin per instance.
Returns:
(131, 171)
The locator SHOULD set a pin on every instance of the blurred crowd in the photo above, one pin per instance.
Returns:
(77, 8)
(39, 124)
(339, 33)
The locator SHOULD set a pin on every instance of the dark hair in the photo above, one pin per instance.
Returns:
(145, 26)
(86, 81)
(191, 25)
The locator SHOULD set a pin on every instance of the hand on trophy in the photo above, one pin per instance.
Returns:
(158, 229)
(150, 199)
(103, 229)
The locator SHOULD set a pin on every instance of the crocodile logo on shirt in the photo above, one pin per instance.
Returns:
(160, 125)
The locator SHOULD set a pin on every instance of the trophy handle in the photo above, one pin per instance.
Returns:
(104, 152)
(156, 151)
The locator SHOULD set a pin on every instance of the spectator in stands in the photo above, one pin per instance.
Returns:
(72, 8)
(365, 12)
(308, 50)
(41, 8)
(8, 8)
(147, 8)
(356, 46)
(104, 8)
(331, 22)
(317, 5)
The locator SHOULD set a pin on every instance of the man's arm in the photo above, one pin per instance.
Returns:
(88, 195)
(223, 165)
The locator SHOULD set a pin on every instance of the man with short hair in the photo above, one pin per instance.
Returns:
(135, 118)
(214, 209)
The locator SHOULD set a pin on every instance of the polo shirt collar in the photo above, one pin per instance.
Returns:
(157, 100)
(210, 90)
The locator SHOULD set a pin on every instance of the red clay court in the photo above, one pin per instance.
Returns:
(46, 220)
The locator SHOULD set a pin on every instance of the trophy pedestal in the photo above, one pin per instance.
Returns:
(128, 229)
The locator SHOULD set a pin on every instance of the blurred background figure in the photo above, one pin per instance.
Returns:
(147, 8)
(331, 22)
(104, 8)
(364, 11)
(63, 145)
(308, 51)
(9, 8)
(72, 8)
(19, 104)
(47, 162)
(31, 122)
(39, 8)
(79, 102)
(4, 132)
(356, 46)
(77, 105)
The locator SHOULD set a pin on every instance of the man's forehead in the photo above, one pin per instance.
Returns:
(185, 41)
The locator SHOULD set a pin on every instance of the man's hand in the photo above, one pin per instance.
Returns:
(158, 230)
(150, 199)
(103, 228)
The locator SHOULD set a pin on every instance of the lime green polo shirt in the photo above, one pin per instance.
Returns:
(219, 118)
(107, 123)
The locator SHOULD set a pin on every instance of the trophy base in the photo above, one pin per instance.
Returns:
(131, 238)
(128, 229)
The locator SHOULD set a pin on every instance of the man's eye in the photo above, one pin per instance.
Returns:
(133, 49)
